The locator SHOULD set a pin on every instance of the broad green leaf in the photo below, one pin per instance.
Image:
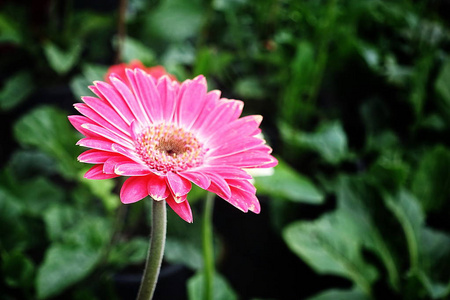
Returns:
(183, 251)
(134, 49)
(49, 130)
(329, 140)
(16, 89)
(353, 201)
(434, 258)
(63, 266)
(94, 72)
(336, 294)
(79, 86)
(75, 256)
(80, 83)
(431, 182)
(58, 219)
(17, 269)
(25, 164)
(176, 20)
(331, 245)
(132, 251)
(389, 171)
(104, 189)
(287, 183)
(10, 31)
(221, 288)
(301, 73)
(13, 229)
(408, 212)
(184, 244)
(250, 88)
(442, 86)
(62, 61)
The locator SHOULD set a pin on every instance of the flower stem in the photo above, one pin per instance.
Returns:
(208, 247)
(155, 251)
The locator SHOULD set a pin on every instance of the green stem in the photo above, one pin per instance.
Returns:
(155, 251)
(208, 247)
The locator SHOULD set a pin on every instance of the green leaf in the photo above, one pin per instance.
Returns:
(431, 182)
(389, 171)
(134, 49)
(13, 230)
(354, 202)
(103, 189)
(79, 86)
(75, 256)
(222, 290)
(10, 30)
(17, 269)
(336, 294)
(15, 90)
(408, 212)
(442, 86)
(329, 140)
(287, 183)
(63, 266)
(331, 245)
(176, 20)
(183, 251)
(62, 61)
(58, 219)
(434, 258)
(133, 251)
(49, 130)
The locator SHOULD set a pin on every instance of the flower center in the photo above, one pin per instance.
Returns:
(166, 148)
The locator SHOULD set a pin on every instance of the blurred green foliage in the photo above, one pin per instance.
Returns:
(356, 103)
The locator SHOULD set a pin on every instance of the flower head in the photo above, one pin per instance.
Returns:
(119, 71)
(167, 135)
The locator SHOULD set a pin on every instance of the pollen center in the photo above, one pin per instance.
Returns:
(166, 148)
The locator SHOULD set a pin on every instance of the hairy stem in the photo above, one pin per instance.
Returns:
(155, 251)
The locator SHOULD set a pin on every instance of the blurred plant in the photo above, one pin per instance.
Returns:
(356, 101)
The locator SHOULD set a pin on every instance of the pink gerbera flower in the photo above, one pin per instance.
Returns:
(165, 135)
(119, 71)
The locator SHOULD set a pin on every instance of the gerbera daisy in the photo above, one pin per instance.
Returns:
(165, 135)
(119, 70)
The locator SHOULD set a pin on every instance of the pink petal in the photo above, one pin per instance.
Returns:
(244, 126)
(126, 152)
(96, 143)
(149, 95)
(191, 100)
(236, 145)
(94, 118)
(94, 156)
(115, 100)
(96, 172)
(77, 121)
(111, 163)
(219, 186)
(211, 102)
(157, 188)
(251, 159)
(134, 189)
(167, 96)
(108, 134)
(182, 209)
(198, 178)
(107, 113)
(243, 185)
(242, 198)
(131, 169)
(178, 185)
(135, 90)
(130, 98)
